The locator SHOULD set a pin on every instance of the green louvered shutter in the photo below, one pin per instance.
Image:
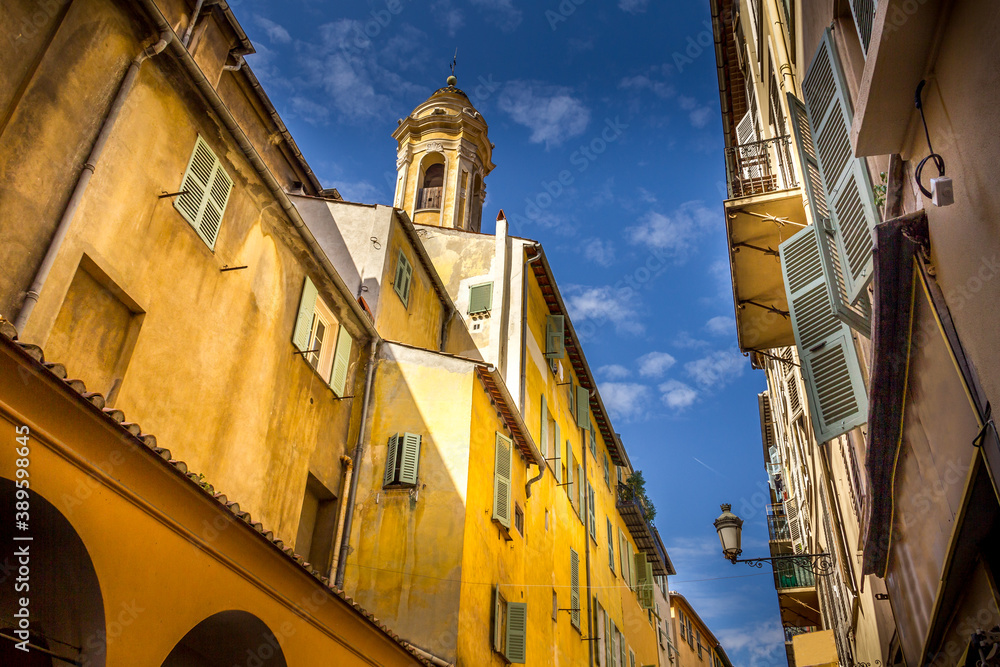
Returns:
(501, 481)
(341, 361)
(593, 440)
(480, 298)
(303, 321)
(582, 407)
(591, 511)
(607, 470)
(497, 615)
(569, 472)
(207, 187)
(607, 639)
(864, 20)
(572, 398)
(543, 429)
(574, 587)
(390, 461)
(558, 455)
(555, 339)
(404, 276)
(580, 490)
(623, 648)
(830, 367)
(410, 459)
(644, 583)
(848, 188)
(517, 630)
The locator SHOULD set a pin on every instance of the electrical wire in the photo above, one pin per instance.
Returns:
(938, 160)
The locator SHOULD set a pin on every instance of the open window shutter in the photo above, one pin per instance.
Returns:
(607, 640)
(558, 443)
(582, 407)
(207, 187)
(623, 557)
(390, 461)
(555, 341)
(569, 472)
(623, 648)
(341, 361)
(543, 429)
(574, 587)
(611, 545)
(501, 481)
(303, 321)
(848, 188)
(648, 599)
(593, 439)
(580, 490)
(497, 615)
(830, 366)
(864, 20)
(766, 420)
(410, 459)
(480, 298)
(591, 511)
(517, 629)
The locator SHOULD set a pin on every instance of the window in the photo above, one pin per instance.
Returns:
(315, 331)
(402, 460)
(555, 341)
(519, 519)
(404, 276)
(614, 636)
(317, 525)
(643, 574)
(631, 658)
(591, 512)
(697, 634)
(607, 470)
(480, 298)
(611, 546)
(510, 625)
(623, 557)
(501, 480)
(581, 499)
(206, 187)
(593, 440)
(574, 588)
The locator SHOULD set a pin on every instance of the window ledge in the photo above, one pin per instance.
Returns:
(504, 531)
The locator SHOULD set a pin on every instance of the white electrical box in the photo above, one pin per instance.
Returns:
(942, 191)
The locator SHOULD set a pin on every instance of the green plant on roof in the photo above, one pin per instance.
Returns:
(637, 483)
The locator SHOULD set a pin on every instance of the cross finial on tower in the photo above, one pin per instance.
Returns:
(452, 80)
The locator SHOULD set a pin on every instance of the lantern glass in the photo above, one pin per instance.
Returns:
(729, 526)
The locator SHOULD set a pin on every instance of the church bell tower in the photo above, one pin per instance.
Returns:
(443, 157)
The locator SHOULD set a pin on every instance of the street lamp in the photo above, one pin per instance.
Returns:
(729, 526)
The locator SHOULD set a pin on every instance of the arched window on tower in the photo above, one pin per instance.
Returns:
(431, 187)
(478, 195)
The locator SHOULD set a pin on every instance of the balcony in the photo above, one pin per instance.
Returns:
(777, 528)
(429, 199)
(764, 208)
(646, 537)
(791, 631)
(792, 575)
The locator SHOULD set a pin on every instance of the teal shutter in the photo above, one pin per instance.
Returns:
(390, 461)
(572, 398)
(837, 397)
(591, 511)
(574, 587)
(622, 647)
(611, 545)
(501, 480)
(607, 471)
(555, 340)
(517, 629)
(644, 580)
(543, 429)
(609, 641)
(497, 617)
(341, 361)
(580, 490)
(848, 188)
(410, 459)
(864, 20)
(569, 472)
(582, 407)
(593, 440)
(207, 187)
(480, 298)
(558, 456)
(404, 275)
(303, 321)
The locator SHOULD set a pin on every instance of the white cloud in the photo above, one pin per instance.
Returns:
(763, 642)
(722, 325)
(698, 114)
(359, 191)
(686, 341)
(633, 6)
(614, 372)
(646, 196)
(504, 11)
(600, 251)
(451, 18)
(716, 369)
(677, 395)
(676, 233)
(552, 113)
(640, 82)
(308, 110)
(275, 32)
(625, 399)
(655, 364)
(598, 305)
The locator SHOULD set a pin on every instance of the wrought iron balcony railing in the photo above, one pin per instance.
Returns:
(760, 167)
(791, 631)
(429, 198)
(792, 574)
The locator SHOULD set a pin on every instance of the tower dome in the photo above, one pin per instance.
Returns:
(443, 157)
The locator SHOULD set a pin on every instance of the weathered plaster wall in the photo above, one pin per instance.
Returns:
(419, 321)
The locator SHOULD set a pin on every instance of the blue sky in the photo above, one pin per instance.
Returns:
(623, 95)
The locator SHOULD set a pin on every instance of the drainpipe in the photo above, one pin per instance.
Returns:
(84, 179)
(524, 349)
(186, 39)
(348, 466)
(586, 537)
(358, 451)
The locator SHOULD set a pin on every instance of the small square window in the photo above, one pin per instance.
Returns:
(519, 519)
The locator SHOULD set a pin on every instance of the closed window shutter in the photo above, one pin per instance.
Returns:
(207, 187)
(582, 407)
(623, 647)
(848, 188)
(574, 587)
(390, 461)
(623, 556)
(572, 399)
(501, 481)
(480, 298)
(303, 321)
(410, 459)
(558, 444)
(341, 361)
(543, 429)
(579, 487)
(517, 629)
(864, 20)
(607, 470)
(830, 366)
(593, 440)
(591, 512)
(766, 420)
(404, 274)
(609, 628)
(569, 473)
(555, 341)
(611, 546)
(498, 629)
(644, 583)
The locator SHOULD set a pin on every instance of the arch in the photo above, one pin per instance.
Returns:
(225, 639)
(66, 607)
(430, 190)
(478, 197)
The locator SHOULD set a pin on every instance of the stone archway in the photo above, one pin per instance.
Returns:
(227, 639)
